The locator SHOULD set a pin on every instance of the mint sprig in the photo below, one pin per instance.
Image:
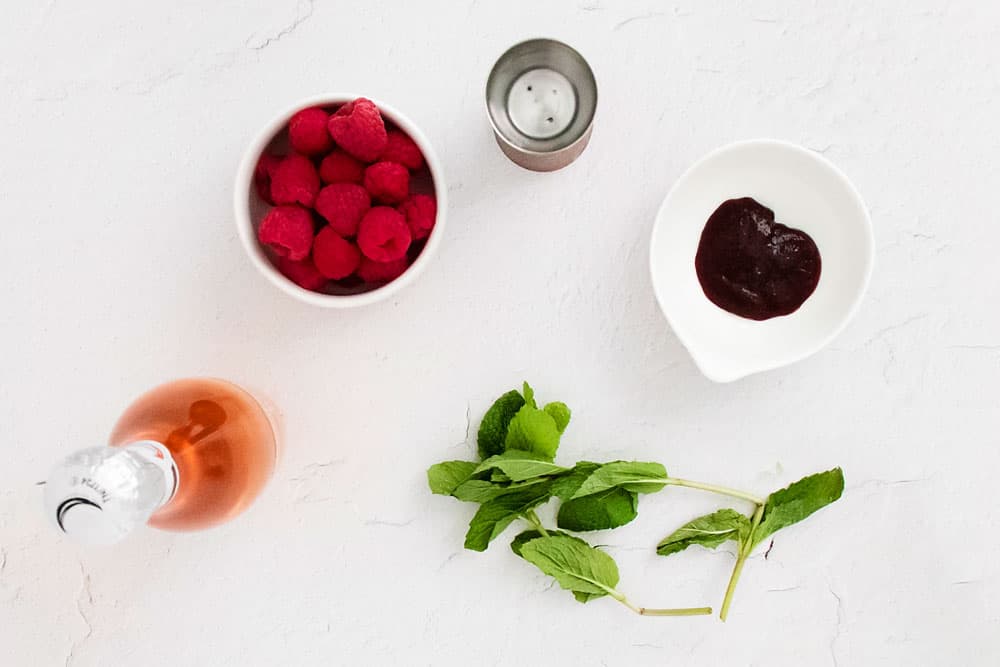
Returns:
(780, 510)
(518, 442)
(536, 430)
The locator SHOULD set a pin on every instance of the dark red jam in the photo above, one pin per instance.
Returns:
(753, 266)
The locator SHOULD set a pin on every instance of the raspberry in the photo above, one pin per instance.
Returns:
(357, 127)
(387, 182)
(339, 167)
(343, 205)
(288, 230)
(381, 272)
(307, 132)
(334, 256)
(262, 175)
(383, 235)
(420, 212)
(294, 181)
(400, 148)
(304, 273)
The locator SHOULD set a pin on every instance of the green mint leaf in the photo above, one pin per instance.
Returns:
(528, 535)
(522, 539)
(477, 491)
(445, 477)
(560, 413)
(798, 500)
(599, 511)
(535, 431)
(498, 477)
(529, 396)
(585, 597)
(493, 428)
(517, 465)
(495, 515)
(482, 491)
(709, 531)
(577, 566)
(567, 485)
(629, 475)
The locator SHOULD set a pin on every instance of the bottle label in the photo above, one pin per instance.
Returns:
(160, 456)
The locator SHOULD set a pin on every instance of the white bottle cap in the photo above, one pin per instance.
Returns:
(86, 522)
(97, 496)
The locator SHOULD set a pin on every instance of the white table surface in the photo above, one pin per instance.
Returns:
(124, 123)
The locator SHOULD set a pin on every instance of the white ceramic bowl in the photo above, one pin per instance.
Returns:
(806, 191)
(250, 209)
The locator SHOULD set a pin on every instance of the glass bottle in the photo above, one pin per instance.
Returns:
(186, 455)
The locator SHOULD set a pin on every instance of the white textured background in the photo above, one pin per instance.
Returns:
(122, 126)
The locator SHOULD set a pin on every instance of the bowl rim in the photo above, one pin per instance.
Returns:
(244, 223)
(715, 374)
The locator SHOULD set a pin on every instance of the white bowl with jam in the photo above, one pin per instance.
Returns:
(753, 302)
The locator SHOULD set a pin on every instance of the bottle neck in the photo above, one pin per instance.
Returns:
(157, 454)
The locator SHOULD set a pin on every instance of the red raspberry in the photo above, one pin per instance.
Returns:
(343, 205)
(288, 230)
(387, 182)
(339, 167)
(420, 212)
(357, 127)
(294, 181)
(262, 175)
(381, 272)
(383, 235)
(307, 132)
(334, 256)
(304, 273)
(400, 148)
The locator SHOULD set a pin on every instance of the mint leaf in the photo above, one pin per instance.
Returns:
(523, 538)
(610, 508)
(495, 515)
(567, 485)
(482, 491)
(709, 531)
(477, 491)
(533, 430)
(798, 500)
(516, 466)
(599, 511)
(577, 566)
(528, 535)
(529, 396)
(493, 428)
(560, 413)
(445, 477)
(629, 475)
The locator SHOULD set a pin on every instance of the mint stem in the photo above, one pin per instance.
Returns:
(726, 491)
(644, 611)
(741, 557)
(533, 519)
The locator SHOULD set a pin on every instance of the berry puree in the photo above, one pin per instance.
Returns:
(752, 266)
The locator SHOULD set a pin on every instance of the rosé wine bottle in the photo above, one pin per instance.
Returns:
(186, 455)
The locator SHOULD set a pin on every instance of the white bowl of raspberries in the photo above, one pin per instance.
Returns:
(340, 201)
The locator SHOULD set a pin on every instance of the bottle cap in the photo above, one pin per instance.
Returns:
(97, 496)
(85, 521)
